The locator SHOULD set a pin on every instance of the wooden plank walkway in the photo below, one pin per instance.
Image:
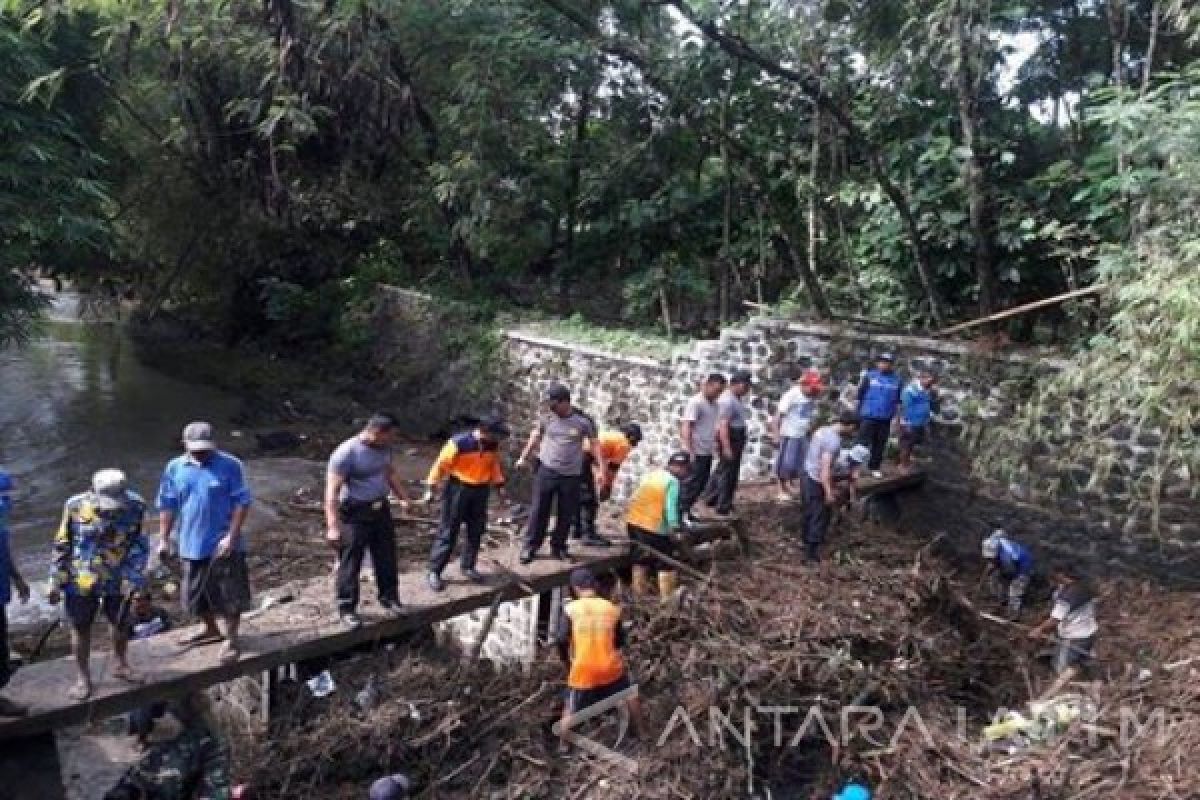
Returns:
(304, 628)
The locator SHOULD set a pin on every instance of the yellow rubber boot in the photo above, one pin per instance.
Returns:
(668, 582)
(641, 581)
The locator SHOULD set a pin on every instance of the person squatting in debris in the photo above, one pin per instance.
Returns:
(560, 439)
(194, 765)
(1073, 614)
(615, 445)
(651, 519)
(10, 580)
(146, 620)
(918, 403)
(100, 557)
(358, 515)
(204, 498)
(878, 401)
(820, 493)
(698, 433)
(790, 426)
(1010, 566)
(731, 443)
(590, 639)
(469, 467)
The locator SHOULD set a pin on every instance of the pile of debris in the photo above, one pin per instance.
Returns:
(770, 679)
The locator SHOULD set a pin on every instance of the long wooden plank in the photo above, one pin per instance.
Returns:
(892, 481)
(305, 628)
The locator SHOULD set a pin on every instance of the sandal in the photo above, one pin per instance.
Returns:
(200, 639)
(230, 653)
(79, 692)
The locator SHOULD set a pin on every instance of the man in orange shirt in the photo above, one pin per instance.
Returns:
(653, 514)
(470, 465)
(598, 483)
(590, 638)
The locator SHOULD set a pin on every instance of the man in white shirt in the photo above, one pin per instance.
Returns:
(790, 427)
(1074, 614)
(698, 433)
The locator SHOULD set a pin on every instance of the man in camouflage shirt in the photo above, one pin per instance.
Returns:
(192, 766)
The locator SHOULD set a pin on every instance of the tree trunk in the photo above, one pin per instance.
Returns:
(725, 262)
(571, 199)
(786, 252)
(973, 176)
(1118, 29)
(814, 219)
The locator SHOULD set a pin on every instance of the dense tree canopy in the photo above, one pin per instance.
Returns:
(648, 163)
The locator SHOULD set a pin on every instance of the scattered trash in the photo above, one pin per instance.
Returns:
(321, 685)
(368, 697)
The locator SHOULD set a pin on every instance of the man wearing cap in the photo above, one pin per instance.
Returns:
(878, 400)
(99, 546)
(204, 499)
(597, 486)
(698, 433)
(820, 494)
(469, 465)
(731, 441)
(790, 427)
(1010, 565)
(652, 516)
(561, 438)
(590, 638)
(358, 517)
(10, 579)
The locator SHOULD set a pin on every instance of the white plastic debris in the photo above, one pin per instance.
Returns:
(321, 685)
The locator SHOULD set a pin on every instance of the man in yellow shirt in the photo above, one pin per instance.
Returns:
(590, 638)
(469, 464)
(597, 486)
(653, 514)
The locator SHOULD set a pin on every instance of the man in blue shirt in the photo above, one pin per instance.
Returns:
(1010, 564)
(878, 399)
(9, 579)
(918, 404)
(204, 497)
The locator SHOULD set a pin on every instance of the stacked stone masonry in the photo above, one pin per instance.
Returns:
(977, 387)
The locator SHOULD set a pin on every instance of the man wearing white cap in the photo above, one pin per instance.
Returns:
(100, 554)
(203, 496)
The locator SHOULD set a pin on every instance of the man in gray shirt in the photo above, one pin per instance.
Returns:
(560, 438)
(819, 495)
(731, 441)
(698, 432)
(358, 517)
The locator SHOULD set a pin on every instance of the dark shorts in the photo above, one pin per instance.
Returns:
(655, 541)
(911, 437)
(790, 464)
(216, 586)
(80, 611)
(579, 699)
(1073, 653)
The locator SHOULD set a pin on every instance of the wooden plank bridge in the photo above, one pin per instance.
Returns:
(307, 627)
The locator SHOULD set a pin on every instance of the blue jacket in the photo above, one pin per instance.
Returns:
(917, 405)
(1014, 559)
(878, 395)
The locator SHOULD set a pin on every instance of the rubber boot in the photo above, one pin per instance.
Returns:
(641, 581)
(668, 582)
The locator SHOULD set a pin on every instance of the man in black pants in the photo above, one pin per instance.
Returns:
(358, 516)
(698, 432)
(878, 400)
(731, 441)
(470, 465)
(561, 438)
(820, 495)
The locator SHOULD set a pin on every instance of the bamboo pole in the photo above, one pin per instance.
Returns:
(1012, 312)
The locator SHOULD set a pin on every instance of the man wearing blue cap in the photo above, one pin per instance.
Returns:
(9, 579)
(878, 401)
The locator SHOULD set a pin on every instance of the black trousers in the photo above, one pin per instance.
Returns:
(817, 516)
(5, 671)
(874, 434)
(552, 489)
(366, 530)
(462, 504)
(695, 483)
(589, 502)
(725, 479)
